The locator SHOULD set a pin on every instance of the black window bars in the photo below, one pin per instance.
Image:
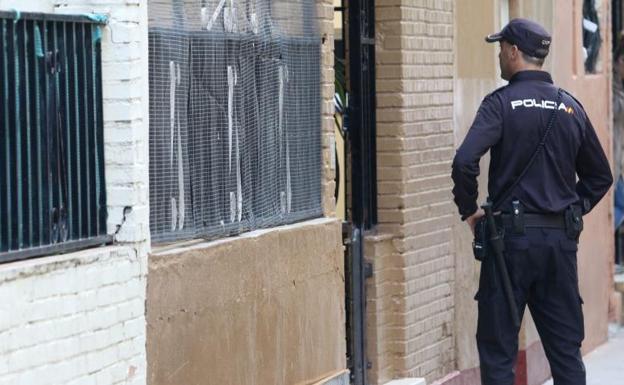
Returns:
(52, 191)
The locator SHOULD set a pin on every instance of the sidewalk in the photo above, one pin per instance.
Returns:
(605, 364)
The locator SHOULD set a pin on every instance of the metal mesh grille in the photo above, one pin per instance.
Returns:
(235, 116)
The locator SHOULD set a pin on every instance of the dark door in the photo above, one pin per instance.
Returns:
(359, 129)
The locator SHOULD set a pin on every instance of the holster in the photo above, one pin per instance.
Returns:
(573, 222)
(480, 242)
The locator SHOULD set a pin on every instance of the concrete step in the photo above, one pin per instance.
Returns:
(407, 381)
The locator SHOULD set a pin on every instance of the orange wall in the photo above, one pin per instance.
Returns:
(594, 91)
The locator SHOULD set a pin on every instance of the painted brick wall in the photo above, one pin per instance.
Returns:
(79, 318)
(73, 319)
(415, 146)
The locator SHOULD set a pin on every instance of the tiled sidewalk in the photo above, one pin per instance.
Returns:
(605, 365)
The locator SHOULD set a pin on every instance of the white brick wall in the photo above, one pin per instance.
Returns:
(80, 318)
(75, 319)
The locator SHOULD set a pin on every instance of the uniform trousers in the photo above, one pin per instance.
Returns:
(543, 271)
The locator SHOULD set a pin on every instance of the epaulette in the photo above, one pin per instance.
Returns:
(573, 98)
(583, 112)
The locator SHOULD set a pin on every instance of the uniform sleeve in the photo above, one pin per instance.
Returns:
(592, 168)
(485, 132)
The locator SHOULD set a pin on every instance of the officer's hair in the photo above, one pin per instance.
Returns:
(532, 59)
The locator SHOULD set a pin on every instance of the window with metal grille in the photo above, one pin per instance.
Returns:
(52, 196)
(235, 116)
(592, 41)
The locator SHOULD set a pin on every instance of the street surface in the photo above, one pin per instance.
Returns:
(605, 365)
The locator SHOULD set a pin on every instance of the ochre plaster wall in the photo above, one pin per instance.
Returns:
(476, 76)
(264, 308)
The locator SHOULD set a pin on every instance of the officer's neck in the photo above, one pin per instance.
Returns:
(522, 66)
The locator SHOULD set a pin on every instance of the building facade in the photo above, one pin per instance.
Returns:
(269, 306)
(433, 71)
(80, 317)
(276, 312)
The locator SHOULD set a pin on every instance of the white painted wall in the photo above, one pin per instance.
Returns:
(80, 318)
(75, 319)
(27, 5)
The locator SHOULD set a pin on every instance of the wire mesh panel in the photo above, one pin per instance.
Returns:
(52, 194)
(235, 116)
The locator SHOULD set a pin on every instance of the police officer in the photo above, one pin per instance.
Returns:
(541, 215)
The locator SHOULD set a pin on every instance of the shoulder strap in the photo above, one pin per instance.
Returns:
(553, 117)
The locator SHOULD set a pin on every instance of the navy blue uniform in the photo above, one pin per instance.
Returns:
(541, 261)
(510, 123)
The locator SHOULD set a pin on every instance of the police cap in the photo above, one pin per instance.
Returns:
(530, 37)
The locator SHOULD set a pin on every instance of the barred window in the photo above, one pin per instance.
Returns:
(592, 41)
(235, 116)
(52, 192)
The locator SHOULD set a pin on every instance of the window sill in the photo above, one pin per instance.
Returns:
(16, 269)
(178, 247)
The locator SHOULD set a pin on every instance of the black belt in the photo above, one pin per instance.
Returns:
(553, 221)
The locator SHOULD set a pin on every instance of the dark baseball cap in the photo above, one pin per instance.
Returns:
(530, 37)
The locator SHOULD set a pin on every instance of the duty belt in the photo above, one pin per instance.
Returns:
(553, 221)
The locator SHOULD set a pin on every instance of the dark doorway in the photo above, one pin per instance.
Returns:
(616, 22)
(355, 56)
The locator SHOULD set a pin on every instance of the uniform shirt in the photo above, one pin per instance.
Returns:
(510, 123)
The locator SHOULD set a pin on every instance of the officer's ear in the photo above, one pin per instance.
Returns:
(514, 52)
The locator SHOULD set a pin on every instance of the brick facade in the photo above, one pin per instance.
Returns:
(92, 303)
(325, 15)
(80, 318)
(415, 144)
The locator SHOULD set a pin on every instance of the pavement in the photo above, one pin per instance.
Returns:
(605, 365)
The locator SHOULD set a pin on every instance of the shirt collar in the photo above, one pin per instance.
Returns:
(531, 75)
